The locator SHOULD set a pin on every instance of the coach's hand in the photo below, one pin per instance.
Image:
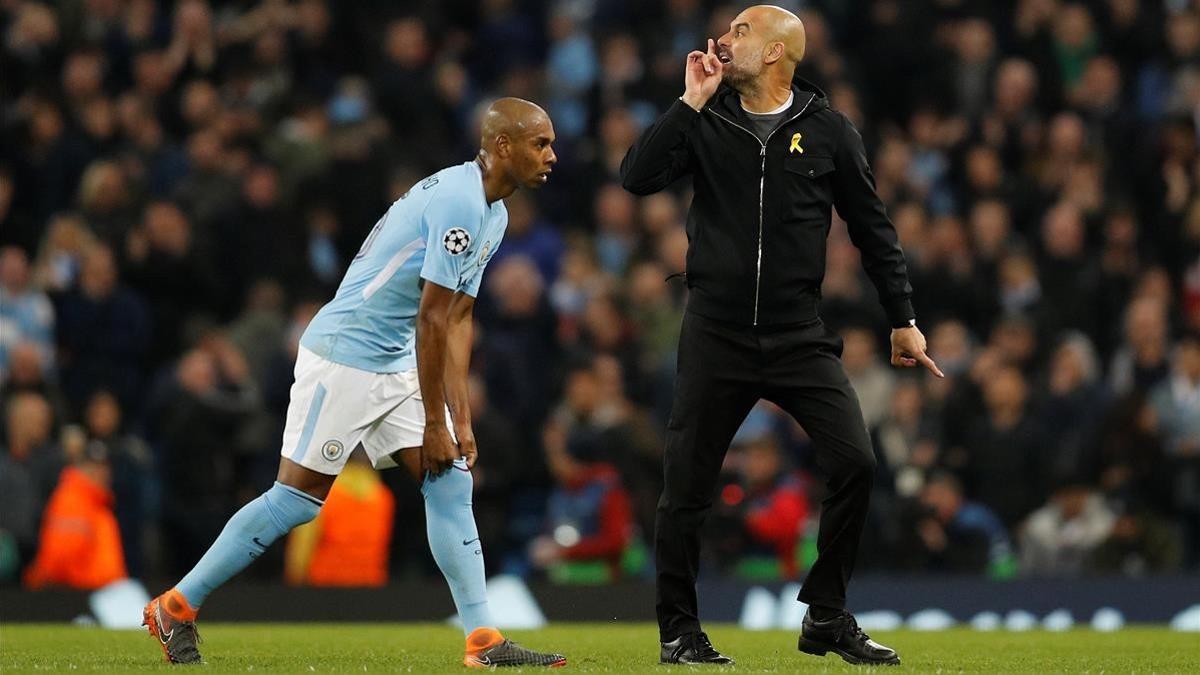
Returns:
(702, 77)
(438, 449)
(908, 349)
(466, 442)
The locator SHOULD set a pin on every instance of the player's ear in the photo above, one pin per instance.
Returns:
(503, 146)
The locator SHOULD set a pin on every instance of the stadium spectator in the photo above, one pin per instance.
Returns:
(1141, 361)
(1140, 543)
(1176, 400)
(32, 444)
(776, 508)
(199, 409)
(1003, 449)
(163, 265)
(61, 252)
(132, 473)
(520, 344)
(953, 534)
(872, 380)
(80, 545)
(1057, 538)
(104, 333)
(588, 514)
(1070, 411)
(1176, 404)
(20, 503)
(904, 442)
(26, 315)
(25, 372)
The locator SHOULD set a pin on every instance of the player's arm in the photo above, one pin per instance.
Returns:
(459, 339)
(438, 450)
(451, 223)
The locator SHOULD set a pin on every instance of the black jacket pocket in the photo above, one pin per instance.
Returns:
(809, 167)
(810, 189)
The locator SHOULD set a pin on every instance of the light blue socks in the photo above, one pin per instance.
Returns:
(246, 536)
(454, 542)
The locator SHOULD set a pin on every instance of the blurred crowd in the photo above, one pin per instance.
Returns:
(183, 183)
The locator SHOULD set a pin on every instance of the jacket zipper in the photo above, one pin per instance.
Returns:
(762, 177)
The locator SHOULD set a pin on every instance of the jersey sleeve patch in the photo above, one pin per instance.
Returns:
(456, 241)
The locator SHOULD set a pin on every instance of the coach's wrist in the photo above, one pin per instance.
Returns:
(694, 101)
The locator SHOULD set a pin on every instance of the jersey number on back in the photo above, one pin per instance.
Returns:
(366, 245)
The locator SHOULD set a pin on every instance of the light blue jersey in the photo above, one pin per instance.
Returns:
(442, 230)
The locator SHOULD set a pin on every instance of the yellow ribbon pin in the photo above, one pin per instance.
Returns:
(795, 147)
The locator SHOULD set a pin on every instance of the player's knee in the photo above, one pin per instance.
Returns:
(455, 484)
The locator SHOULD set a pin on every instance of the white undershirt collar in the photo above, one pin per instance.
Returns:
(786, 104)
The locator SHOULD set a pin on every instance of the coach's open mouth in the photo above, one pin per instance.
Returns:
(724, 57)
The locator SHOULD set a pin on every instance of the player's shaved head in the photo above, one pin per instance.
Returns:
(515, 136)
(512, 117)
(778, 25)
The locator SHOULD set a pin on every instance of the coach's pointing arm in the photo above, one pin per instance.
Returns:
(662, 154)
(872, 232)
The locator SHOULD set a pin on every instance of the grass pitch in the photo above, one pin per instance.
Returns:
(624, 648)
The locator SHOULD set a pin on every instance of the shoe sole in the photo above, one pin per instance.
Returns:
(817, 648)
(472, 662)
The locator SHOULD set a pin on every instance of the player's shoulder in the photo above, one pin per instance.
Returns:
(458, 189)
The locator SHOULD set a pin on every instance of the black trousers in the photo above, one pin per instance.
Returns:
(723, 371)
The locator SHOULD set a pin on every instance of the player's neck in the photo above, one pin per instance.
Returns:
(495, 185)
(767, 97)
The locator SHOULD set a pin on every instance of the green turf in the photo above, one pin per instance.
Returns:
(242, 648)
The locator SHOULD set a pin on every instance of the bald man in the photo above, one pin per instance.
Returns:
(382, 369)
(768, 160)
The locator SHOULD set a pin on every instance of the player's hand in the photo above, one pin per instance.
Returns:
(466, 443)
(438, 449)
(702, 76)
(908, 350)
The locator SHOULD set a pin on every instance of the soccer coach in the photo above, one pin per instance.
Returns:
(769, 159)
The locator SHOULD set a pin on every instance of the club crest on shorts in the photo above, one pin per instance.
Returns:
(332, 450)
(456, 240)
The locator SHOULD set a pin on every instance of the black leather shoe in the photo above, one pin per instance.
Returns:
(692, 649)
(842, 636)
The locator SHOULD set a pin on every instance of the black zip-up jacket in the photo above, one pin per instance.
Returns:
(761, 212)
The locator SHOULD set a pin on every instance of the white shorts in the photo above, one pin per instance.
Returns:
(334, 407)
